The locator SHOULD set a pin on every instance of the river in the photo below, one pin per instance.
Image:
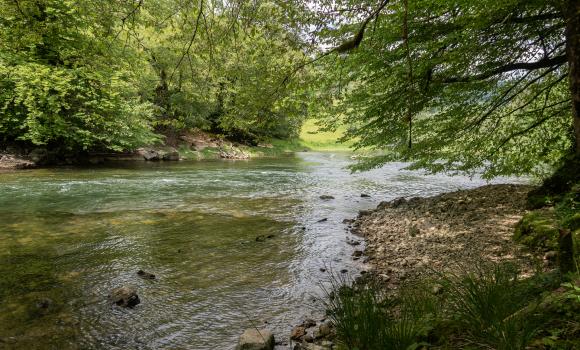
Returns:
(68, 236)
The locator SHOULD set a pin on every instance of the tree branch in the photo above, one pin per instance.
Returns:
(186, 52)
(543, 63)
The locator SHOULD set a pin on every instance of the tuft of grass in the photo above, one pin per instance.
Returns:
(483, 306)
(491, 306)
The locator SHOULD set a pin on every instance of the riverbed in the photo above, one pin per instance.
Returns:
(234, 244)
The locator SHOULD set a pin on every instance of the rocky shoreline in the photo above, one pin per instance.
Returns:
(406, 238)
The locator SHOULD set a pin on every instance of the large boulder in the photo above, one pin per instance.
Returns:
(254, 339)
(124, 296)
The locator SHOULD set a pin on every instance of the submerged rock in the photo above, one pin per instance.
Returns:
(322, 220)
(326, 197)
(145, 275)
(254, 339)
(124, 296)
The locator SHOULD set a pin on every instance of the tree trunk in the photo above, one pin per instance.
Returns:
(572, 14)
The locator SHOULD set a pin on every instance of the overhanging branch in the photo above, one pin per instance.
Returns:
(543, 63)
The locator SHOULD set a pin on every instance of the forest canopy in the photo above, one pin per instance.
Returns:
(111, 74)
(449, 85)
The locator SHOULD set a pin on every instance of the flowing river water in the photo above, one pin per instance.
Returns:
(68, 236)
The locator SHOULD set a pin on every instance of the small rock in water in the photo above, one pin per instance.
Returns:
(270, 236)
(364, 195)
(124, 296)
(343, 271)
(308, 338)
(357, 253)
(261, 238)
(309, 323)
(326, 197)
(254, 339)
(145, 275)
(347, 221)
(324, 330)
(322, 220)
(43, 303)
(364, 212)
(353, 243)
(297, 333)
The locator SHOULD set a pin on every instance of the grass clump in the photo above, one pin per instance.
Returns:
(485, 306)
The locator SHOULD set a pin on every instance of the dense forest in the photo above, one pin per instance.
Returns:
(451, 85)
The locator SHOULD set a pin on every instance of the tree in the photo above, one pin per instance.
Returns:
(459, 85)
(61, 85)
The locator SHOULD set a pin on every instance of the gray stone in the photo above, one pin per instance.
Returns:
(254, 339)
(124, 296)
(326, 197)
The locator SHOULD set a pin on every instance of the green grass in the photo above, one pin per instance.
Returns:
(484, 306)
(313, 138)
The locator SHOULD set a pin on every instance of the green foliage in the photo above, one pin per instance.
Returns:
(454, 90)
(487, 306)
(60, 87)
(85, 75)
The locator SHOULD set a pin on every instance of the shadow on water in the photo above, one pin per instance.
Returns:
(232, 243)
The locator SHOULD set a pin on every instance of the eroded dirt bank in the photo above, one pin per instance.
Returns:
(405, 238)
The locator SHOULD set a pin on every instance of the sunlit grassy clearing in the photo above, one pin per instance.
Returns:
(313, 138)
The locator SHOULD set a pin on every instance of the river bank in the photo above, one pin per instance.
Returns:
(406, 238)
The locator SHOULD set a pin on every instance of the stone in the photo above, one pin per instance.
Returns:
(343, 271)
(149, 154)
(398, 202)
(124, 296)
(322, 220)
(353, 243)
(324, 330)
(309, 322)
(254, 339)
(171, 156)
(308, 338)
(326, 197)
(362, 213)
(364, 195)
(297, 333)
(357, 253)
(261, 238)
(145, 275)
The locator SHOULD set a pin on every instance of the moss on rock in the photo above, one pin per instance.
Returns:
(538, 230)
